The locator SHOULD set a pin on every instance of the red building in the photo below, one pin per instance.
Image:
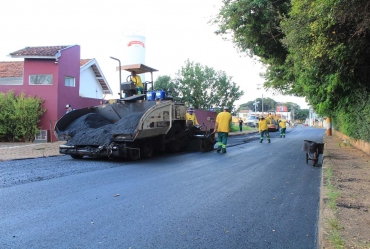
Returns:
(57, 75)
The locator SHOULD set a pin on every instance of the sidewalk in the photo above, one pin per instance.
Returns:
(13, 151)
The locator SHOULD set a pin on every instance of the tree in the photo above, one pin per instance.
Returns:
(165, 83)
(254, 28)
(292, 106)
(312, 48)
(301, 114)
(269, 104)
(203, 87)
(248, 105)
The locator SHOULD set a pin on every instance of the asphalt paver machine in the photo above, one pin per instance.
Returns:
(133, 126)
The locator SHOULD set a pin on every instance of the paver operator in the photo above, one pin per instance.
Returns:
(190, 116)
(137, 81)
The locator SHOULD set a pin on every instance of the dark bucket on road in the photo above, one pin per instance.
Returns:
(313, 150)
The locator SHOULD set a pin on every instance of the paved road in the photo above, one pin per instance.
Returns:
(255, 196)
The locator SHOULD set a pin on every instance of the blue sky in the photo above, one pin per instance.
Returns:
(175, 30)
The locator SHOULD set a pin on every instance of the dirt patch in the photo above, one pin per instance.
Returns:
(350, 178)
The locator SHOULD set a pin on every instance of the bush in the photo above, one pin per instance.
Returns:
(19, 116)
(354, 121)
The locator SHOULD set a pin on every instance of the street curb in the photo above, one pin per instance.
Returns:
(321, 205)
(27, 158)
(322, 241)
(238, 133)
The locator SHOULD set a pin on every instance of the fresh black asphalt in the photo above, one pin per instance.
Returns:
(254, 196)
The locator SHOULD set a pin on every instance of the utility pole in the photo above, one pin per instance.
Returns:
(255, 105)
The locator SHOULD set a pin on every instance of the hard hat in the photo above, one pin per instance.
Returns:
(67, 106)
(226, 108)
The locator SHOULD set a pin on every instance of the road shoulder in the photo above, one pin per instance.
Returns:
(344, 214)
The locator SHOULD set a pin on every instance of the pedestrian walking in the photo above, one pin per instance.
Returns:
(282, 125)
(240, 124)
(222, 127)
(263, 129)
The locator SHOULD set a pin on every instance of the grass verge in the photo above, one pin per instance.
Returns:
(235, 128)
(333, 223)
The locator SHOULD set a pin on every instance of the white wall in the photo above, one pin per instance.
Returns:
(89, 85)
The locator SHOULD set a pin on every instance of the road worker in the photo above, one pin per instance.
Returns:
(222, 127)
(263, 129)
(137, 81)
(282, 125)
(190, 116)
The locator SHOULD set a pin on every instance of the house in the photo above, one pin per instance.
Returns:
(57, 75)
(243, 114)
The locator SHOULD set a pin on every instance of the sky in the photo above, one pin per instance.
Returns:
(174, 30)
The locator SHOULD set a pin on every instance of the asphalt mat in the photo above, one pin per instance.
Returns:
(16, 151)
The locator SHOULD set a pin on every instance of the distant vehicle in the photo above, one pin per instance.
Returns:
(273, 126)
(252, 121)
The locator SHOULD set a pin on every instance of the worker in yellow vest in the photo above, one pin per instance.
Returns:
(263, 129)
(190, 116)
(282, 125)
(222, 127)
(137, 81)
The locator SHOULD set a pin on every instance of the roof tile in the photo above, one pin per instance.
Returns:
(11, 69)
(84, 61)
(39, 51)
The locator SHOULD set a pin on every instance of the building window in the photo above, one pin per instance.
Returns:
(11, 81)
(41, 79)
(69, 81)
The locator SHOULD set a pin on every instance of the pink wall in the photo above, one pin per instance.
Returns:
(69, 65)
(202, 116)
(46, 92)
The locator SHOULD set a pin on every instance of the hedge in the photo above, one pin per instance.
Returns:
(19, 116)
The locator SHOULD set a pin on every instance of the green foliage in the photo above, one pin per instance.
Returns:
(301, 114)
(201, 86)
(235, 128)
(165, 83)
(268, 105)
(354, 120)
(254, 26)
(313, 48)
(19, 116)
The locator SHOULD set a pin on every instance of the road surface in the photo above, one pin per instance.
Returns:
(254, 196)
